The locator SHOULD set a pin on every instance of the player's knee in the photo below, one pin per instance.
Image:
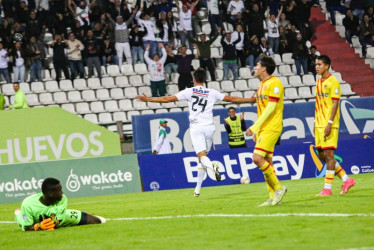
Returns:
(258, 159)
(329, 157)
(93, 219)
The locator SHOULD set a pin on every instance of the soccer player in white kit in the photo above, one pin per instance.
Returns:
(200, 104)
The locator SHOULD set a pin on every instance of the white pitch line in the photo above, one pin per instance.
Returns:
(230, 216)
(243, 216)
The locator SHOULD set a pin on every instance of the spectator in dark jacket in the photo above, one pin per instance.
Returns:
(184, 62)
(312, 60)
(136, 42)
(108, 53)
(332, 6)
(229, 57)
(59, 57)
(254, 52)
(255, 22)
(92, 54)
(204, 49)
(351, 25)
(366, 33)
(35, 51)
(170, 63)
(33, 25)
(300, 55)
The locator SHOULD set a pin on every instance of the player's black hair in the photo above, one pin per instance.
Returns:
(48, 184)
(269, 63)
(325, 59)
(313, 47)
(199, 75)
(16, 83)
(231, 108)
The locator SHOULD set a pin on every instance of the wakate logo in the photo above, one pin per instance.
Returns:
(74, 182)
(321, 167)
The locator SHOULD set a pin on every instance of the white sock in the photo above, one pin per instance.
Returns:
(206, 162)
(327, 186)
(345, 178)
(200, 177)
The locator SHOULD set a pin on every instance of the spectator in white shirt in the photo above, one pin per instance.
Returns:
(185, 22)
(149, 26)
(240, 45)
(272, 22)
(82, 12)
(235, 6)
(4, 59)
(18, 57)
(157, 72)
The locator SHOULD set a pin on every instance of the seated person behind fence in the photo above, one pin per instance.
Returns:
(19, 99)
(48, 210)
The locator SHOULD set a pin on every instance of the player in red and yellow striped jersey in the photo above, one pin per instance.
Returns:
(326, 124)
(268, 127)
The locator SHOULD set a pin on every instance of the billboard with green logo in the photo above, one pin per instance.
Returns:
(51, 133)
(79, 177)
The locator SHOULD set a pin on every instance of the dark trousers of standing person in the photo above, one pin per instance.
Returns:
(215, 21)
(207, 63)
(185, 81)
(241, 57)
(76, 66)
(93, 61)
(158, 88)
(61, 65)
(301, 62)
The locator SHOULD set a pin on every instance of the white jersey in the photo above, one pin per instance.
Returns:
(213, 7)
(273, 30)
(185, 20)
(235, 7)
(200, 103)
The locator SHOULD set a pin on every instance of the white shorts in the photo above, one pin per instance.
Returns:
(202, 137)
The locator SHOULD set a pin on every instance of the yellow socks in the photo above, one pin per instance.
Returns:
(329, 178)
(340, 172)
(270, 189)
(271, 177)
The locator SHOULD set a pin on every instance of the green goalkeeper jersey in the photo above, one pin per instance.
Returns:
(33, 211)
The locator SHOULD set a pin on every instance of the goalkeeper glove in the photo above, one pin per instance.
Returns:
(46, 224)
(55, 220)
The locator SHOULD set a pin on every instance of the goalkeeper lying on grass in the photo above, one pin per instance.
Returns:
(48, 210)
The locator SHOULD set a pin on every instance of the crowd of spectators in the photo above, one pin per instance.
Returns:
(358, 21)
(96, 33)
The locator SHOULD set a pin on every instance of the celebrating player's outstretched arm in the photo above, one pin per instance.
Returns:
(166, 99)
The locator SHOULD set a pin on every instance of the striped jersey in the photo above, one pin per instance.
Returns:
(327, 90)
(271, 90)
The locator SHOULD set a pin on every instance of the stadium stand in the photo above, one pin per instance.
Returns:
(111, 98)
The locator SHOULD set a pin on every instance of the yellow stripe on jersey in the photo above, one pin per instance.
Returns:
(327, 90)
(271, 90)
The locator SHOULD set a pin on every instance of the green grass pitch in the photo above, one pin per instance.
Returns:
(213, 232)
